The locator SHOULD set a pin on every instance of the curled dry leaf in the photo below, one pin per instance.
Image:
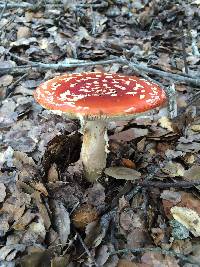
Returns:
(128, 163)
(188, 217)
(122, 173)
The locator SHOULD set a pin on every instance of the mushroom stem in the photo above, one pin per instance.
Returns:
(94, 149)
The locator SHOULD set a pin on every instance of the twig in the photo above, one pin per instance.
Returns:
(172, 104)
(3, 9)
(193, 99)
(37, 66)
(195, 50)
(59, 66)
(169, 184)
(157, 250)
(166, 75)
(183, 33)
(11, 88)
(25, 5)
(86, 249)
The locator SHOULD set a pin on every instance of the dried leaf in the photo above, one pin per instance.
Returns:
(52, 175)
(122, 173)
(126, 263)
(173, 169)
(61, 261)
(61, 221)
(2, 192)
(37, 259)
(84, 215)
(38, 228)
(130, 220)
(4, 224)
(166, 123)
(6, 157)
(128, 163)
(187, 217)
(23, 32)
(156, 259)
(22, 222)
(40, 187)
(96, 195)
(128, 135)
(195, 128)
(6, 80)
(102, 255)
(42, 209)
(172, 196)
(193, 173)
(23, 41)
(6, 250)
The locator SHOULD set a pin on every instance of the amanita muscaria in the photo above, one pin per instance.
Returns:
(97, 98)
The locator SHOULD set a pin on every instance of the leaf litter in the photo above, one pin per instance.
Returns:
(49, 214)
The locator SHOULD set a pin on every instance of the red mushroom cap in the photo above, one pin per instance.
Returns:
(96, 94)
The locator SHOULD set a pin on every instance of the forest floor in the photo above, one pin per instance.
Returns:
(146, 212)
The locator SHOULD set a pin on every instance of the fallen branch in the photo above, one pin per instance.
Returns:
(25, 5)
(38, 66)
(170, 184)
(166, 75)
(157, 250)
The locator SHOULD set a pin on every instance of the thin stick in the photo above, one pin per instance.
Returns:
(165, 75)
(170, 184)
(3, 9)
(86, 249)
(38, 66)
(11, 88)
(172, 104)
(25, 5)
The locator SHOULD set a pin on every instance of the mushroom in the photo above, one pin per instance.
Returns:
(96, 98)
